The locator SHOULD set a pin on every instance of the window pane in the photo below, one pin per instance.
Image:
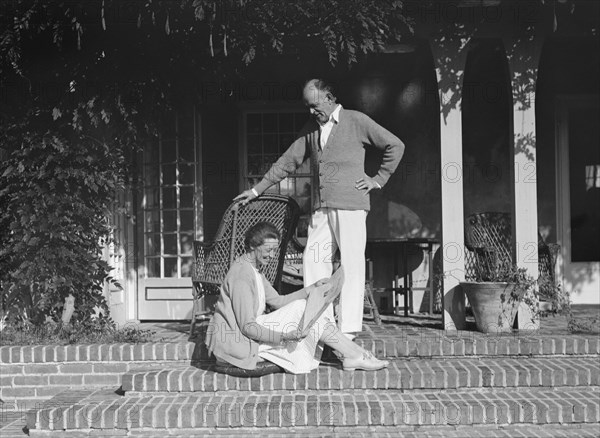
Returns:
(302, 187)
(187, 264)
(169, 197)
(152, 221)
(170, 267)
(169, 174)
(185, 127)
(186, 197)
(186, 174)
(169, 151)
(253, 123)
(286, 123)
(151, 177)
(187, 220)
(186, 242)
(186, 150)
(151, 152)
(287, 187)
(170, 241)
(152, 267)
(168, 126)
(270, 144)
(152, 199)
(152, 244)
(254, 165)
(270, 122)
(169, 221)
(254, 144)
(303, 222)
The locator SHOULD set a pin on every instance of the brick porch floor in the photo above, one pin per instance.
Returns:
(427, 326)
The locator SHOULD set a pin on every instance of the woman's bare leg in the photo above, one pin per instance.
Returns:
(334, 338)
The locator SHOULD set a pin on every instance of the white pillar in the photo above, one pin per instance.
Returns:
(450, 57)
(523, 53)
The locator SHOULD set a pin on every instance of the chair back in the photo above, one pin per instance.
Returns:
(488, 242)
(488, 239)
(213, 260)
(490, 230)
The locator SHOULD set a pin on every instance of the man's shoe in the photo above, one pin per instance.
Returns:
(366, 362)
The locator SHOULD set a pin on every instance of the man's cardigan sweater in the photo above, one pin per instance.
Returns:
(341, 163)
(233, 334)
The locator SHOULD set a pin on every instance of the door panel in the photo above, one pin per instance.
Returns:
(170, 213)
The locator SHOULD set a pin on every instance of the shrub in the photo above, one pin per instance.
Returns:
(55, 193)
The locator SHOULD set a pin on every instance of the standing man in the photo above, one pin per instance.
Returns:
(334, 140)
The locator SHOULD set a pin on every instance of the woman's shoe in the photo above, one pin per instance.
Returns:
(366, 362)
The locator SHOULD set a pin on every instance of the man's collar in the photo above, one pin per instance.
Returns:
(335, 115)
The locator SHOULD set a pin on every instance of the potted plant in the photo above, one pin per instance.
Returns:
(497, 290)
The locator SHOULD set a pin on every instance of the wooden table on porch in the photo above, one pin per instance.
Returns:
(400, 247)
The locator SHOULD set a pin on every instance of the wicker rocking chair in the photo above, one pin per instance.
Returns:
(212, 260)
(492, 231)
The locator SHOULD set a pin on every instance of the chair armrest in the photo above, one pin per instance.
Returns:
(207, 275)
(201, 250)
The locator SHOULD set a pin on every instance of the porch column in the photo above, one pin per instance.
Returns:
(450, 57)
(523, 53)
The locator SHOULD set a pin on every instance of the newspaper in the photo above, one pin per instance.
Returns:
(320, 298)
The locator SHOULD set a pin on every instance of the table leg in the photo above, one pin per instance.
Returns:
(409, 291)
(431, 282)
(406, 284)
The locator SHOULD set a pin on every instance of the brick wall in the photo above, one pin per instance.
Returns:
(31, 374)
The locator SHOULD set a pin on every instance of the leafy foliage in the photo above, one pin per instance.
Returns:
(101, 330)
(55, 193)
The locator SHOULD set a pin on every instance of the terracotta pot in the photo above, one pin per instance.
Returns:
(492, 315)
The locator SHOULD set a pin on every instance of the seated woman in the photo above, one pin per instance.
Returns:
(240, 333)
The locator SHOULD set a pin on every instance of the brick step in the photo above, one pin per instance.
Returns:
(107, 410)
(412, 343)
(405, 343)
(480, 431)
(401, 374)
(389, 341)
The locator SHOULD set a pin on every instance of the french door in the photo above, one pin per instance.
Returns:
(169, 219)
(578, 193)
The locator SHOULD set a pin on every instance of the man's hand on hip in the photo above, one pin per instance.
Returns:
(367, 184)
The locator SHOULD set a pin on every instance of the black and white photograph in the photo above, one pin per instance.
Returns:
(310, 218)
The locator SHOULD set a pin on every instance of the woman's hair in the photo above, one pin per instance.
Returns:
(257, 234)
